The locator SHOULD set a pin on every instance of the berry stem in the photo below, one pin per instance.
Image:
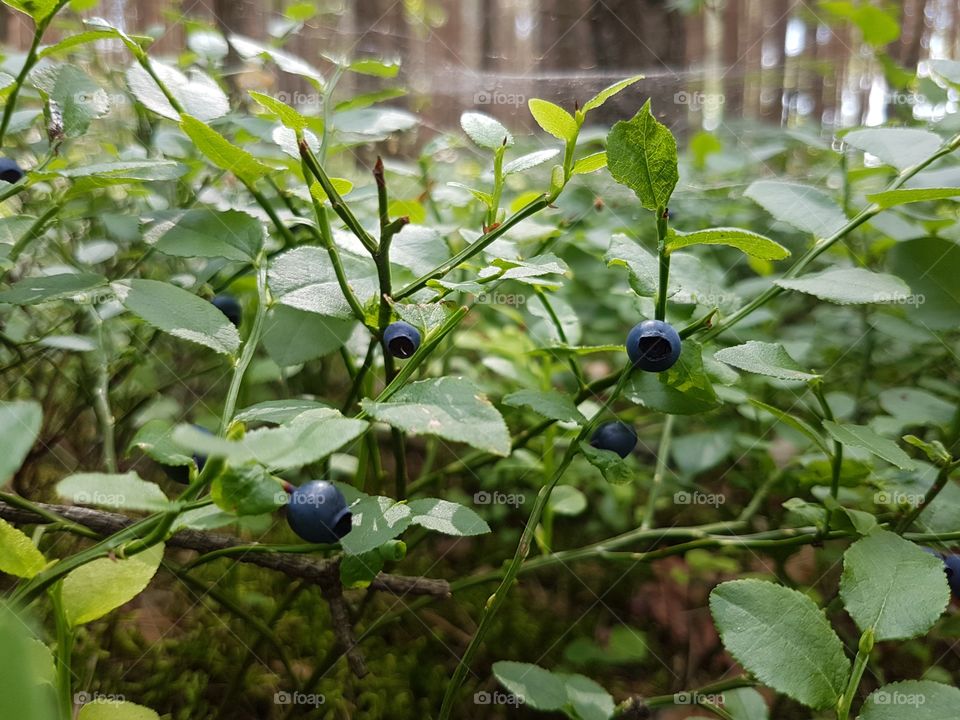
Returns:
(249, 348)
(663, 257)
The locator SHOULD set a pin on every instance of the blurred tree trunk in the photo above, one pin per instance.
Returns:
(776, 16)
(732, 61)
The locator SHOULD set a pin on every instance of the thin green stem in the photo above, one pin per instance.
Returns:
(663, 458)
(34, 231)
(262, 201)
(561, 333)
(326, 237)
(478, 245)
(336, 200)
(865, 646)
(836, 462)
(249, 348)
(938, 485)
(101, 393)
(523, 548)
(663, 259)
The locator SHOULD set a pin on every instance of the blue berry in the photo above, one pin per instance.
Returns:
(9, 171)
(402, 339)
(653, 345)
(229, 306)
(616, 436)
(318, 512)
(181, 473)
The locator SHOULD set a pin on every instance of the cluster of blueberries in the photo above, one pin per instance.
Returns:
(652, 346)
(317, 511)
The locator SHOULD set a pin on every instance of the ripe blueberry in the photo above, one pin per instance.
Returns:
(653, 345)
(318, 512)
(229, 306)
(181, 473)
(402, 339)
(9, 171)
(616, 436)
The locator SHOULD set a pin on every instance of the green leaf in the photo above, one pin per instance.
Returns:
(79, 99)
(179, 313)
(37, 9)
(589, 700)
(745, 704)
(805, 208)
(946, 70)
(911, 700)
(375, 67)
(304, 278)
(750, 243)
(277, 412)
(101, 709)
(358, 571)
(550, 404)
(98, 175)
(309, 437)
(155, 439)
(899, 147)
(46, 288)
(199, 95)
(485, 131)
(641, 264)
(553, 119)
(365, 100)
(287, 115)
(877, 26)
(93, 590)
(930, 266)
(484, 197)
(425, 316)
(782, 638)
(567, 500)
(20, 422)
(18, 555)
(764, 359)
(451, 408)
(447, 517)
(292, 337)
(531, 160)
(850, 286)
(590, 163)
(614, 468)
(247, 490)
(860, 436)
(913, 406)
(625, 645)
(608, 92)
(684, 389)
(85, 37)
(27, 670)
(642, 155)
(222, 153)
(119, 491)
(902, 196)
(893, 586)
(341, 185)
(531, 684)
(203, 232)
(376, 520)
(249, 49)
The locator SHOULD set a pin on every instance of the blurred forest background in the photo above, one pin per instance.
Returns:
(707, 61)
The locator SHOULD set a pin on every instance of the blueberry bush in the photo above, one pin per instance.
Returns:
(306, 414)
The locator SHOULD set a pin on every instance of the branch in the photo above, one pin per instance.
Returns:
(324, 572)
